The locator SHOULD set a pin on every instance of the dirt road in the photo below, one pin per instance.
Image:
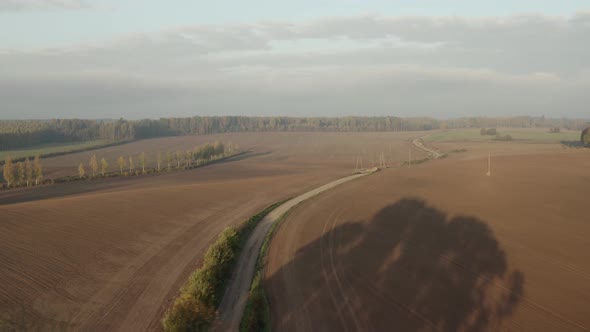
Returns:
(432, 152)
(234, 301)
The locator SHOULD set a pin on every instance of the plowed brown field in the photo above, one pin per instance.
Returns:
(441, 247)
(310, 149)
(111, 254)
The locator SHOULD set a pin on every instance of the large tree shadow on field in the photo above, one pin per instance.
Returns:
(410, 268)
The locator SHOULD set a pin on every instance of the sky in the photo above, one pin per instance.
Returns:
(151, 59)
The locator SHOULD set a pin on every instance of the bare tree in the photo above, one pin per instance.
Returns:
(188, 158)
(142, 161)
(219, 148)
(197, 155)
(93, 165)
(20, 170)
(38, 169)
(169, 159)
(131, 165)
(28, 172)
(9, 171)
(104, 165)
(178, 158)
(122, 163)
(159, 158)
(81, 170)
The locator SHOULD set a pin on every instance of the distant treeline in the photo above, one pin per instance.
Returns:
(222, 124)
(199, 125)
(585, 137)
(23, 133)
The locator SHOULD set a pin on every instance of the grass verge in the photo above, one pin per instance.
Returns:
(416, 162)
(194, 309)
(256, 315)
(522, 135)
(58, 149)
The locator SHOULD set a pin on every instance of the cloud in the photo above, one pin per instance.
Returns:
(28, 5)
(365, 65)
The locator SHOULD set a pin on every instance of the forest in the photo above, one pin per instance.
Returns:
(27, 133)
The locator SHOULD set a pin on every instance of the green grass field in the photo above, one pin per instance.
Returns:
(51, 148)
(533, 135)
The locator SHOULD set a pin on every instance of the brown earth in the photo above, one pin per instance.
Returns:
(111, 254)
(441, 246)
(331, 148)
(481, 149)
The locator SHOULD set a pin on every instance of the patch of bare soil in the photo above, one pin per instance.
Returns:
(440, 246)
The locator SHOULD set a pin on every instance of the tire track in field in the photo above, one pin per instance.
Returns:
(96, 318)
(336, 245)
(373, 289)
(326, 271)
(527, 301)
(327, 247)
(533, 252)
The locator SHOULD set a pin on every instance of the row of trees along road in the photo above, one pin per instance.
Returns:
(168, 161)
(25, 173)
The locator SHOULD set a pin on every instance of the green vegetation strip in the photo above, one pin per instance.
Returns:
(523, 135)
(194, 309)
(256, 315)
(458, 151)
(58, 149)
(417, 161)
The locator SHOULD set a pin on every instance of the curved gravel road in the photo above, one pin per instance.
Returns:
(234, 301)
(433, 153)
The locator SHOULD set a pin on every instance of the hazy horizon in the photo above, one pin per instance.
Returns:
(109, 59)
(586, 119)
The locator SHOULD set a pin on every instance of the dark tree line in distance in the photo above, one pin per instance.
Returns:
(585, 137)
(26, 133)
